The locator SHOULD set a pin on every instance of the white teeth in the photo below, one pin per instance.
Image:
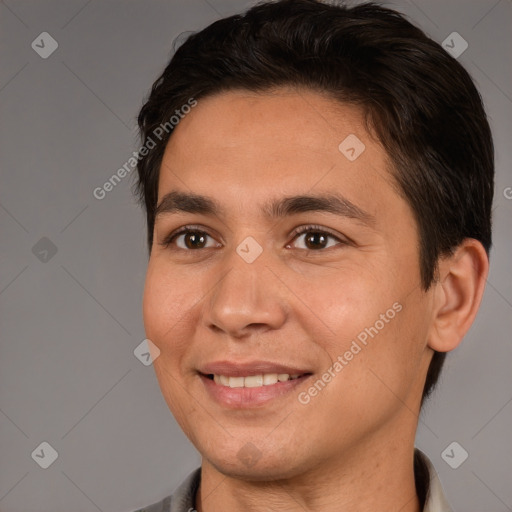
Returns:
(253, 381)
(236, 382)
(269, 378)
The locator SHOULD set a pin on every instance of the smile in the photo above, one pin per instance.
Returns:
(251, 391)
(252, 381)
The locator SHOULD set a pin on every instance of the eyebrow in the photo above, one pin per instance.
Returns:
(175, 202)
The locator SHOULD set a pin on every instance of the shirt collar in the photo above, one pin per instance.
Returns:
(436, 500)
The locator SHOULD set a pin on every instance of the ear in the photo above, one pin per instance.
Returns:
(457, 294)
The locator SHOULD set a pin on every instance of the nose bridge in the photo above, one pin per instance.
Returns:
(248, 292)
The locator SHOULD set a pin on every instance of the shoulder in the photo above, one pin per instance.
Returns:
(435, 499)
(181, 500)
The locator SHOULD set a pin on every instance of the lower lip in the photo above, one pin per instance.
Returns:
(249, 397)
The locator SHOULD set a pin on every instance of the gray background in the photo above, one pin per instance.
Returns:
(70, 322)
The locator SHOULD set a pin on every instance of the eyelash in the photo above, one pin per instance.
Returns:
(299, 231)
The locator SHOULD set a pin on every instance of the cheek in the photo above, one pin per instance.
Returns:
(348, 305)
(374, 326)
(166, 301)
(387, 371)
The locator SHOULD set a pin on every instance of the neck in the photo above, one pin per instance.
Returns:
(376, 476)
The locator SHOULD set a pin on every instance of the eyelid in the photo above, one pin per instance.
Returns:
(315, 228)
(183, 230)
(295, 234)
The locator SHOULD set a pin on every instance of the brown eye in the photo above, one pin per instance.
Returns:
(189, 239)
(316, 239)
(195, 240)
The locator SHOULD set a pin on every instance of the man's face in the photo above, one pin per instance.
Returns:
(243, 295)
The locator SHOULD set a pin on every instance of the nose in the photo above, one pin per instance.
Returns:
(248, 298)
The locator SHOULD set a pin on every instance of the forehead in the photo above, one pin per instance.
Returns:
(290, 118)
(246, 145)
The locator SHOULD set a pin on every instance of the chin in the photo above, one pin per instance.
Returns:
(257, 469)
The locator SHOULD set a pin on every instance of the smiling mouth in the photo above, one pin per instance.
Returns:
(253, 381)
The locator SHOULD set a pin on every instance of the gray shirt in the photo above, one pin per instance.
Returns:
(183, 498)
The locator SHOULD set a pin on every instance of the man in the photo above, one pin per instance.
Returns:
(319, 239)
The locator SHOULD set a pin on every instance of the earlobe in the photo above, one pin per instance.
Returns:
(458, 294)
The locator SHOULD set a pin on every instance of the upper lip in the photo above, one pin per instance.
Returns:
(239, 369)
